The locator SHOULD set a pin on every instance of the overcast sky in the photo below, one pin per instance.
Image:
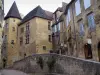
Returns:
(26, 6)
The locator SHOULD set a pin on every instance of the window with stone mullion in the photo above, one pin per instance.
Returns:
(91, 22)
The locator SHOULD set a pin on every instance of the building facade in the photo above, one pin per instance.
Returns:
(34, 33)
(82, 29)
(57, 28)
(9, 52)
(27, 36)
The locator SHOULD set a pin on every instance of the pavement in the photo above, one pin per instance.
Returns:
(12, 72)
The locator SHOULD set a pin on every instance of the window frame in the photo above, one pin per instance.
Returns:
(90, 18)
(13, 28)
(81, 27)
(78, 4)
(68, 17)
(44, 48)
(22, 30)
(12, 41)
(21, 41)
(27, 39)
(49, 25)
(50, 38)
(85, 6)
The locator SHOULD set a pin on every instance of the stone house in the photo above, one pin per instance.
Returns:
(28, 36)
(34, 33)
(12, 19)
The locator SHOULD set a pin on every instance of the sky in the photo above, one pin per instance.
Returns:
(25, 6)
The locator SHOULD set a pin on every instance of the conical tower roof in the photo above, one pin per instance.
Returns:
(13, 12)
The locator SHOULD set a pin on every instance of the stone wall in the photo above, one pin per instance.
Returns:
(63, 65)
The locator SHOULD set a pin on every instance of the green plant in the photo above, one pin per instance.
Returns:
(40, 62)
(51, 63)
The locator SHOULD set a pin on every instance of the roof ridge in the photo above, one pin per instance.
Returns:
(36, 12)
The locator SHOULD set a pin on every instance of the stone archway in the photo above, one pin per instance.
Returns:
(99, 50)
(88, 51)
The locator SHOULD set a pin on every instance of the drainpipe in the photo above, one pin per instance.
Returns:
(74, 30)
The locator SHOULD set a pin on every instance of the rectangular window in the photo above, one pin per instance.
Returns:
(49, 25)
(27, 33)
(12, 41)
(21, 40)
(69, 14)
(87, 3)
(27, 39)
(68, 18)
(13, 28)
(50, 38)
(58, 27)
(78, 8)
(54, 28)
(81, 27)
(44, 47)
(6, 25)
(91, 22)
(22, 30)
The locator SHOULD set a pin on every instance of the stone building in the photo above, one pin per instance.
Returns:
(12, 19)
(34, 33)
(81, 27)
(27, 36)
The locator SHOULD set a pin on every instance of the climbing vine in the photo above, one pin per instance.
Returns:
(40, 62)
(51, 63)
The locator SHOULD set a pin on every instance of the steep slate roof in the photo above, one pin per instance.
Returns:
(13, 12)
(37, 12)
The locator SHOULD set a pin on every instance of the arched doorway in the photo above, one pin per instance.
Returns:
(88, 51)
(99, 50)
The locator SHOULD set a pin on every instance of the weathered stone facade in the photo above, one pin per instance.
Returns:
(27, 36)
(39, 35)
(72, 39)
